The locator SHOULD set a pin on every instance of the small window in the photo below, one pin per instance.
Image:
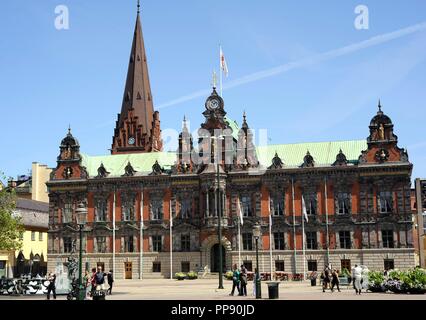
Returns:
(279, 265)
(128, 244)
(385, 202)
(279, 243)
(389, 264)
(157, 209)
(249, 265)
(278, 205)
(310, 203)
(247, 241)
(128, 210)
(387, 238)
(67, 244)
(156, 267)
(424, 221)
(246, 206)
(185, 266)
(33, 235)
(312, 265)
(101, 210)
(311, 240)
(343, 203)
(40, 236)
(345, 264)
(67, 214)
(345, 239)
(157, 243)
(185, 242)
(101, 244)
(185, 208)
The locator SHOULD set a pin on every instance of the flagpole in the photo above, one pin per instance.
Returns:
(113, 234)
(171, 240)
(294, 227)
(239, 232)
(270, 238)
(221, 70)
(326, 221)
(303, 241)
(141, 238)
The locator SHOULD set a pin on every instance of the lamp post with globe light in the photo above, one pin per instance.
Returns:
(81, 214)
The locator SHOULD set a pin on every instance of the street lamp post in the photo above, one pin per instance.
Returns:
(219, 211)
(81, 213)
(256, 234)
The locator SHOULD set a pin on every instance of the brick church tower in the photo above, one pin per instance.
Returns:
(138, 126)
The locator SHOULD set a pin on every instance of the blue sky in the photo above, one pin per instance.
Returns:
(51, 78)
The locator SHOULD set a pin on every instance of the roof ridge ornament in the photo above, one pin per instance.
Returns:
(308, 161)
(277, 163)
(129, 171)
(341, 159)
(139, 6)
(102, 171)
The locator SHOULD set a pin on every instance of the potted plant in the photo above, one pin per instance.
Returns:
(180, 276)
(192, 275)
(376, 281)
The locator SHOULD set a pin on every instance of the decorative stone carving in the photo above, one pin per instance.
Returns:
(68, 172)
(102, 172)
(341, 159)
(277, 163)
(157, 169)
(129, 171)
(308, 161)
(382, 155)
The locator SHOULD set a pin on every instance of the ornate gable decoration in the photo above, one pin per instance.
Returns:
(157, 169)
(382, 155)
(129, 171)
(308, 161)
(102, 172)
(341, 159)
(277, 163)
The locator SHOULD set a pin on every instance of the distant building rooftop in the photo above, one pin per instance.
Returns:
(33, 213)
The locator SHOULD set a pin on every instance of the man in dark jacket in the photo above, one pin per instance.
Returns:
(110, 281)
(243, 281)
(52, 286)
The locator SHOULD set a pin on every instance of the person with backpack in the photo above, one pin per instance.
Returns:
(243, 281)
(235, 280)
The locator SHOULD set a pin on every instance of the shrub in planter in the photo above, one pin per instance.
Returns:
(415, 281)
(192, 275)
(376, 281)
(396, 286)
(180, 276)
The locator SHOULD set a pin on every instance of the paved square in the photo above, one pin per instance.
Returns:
(206, 289)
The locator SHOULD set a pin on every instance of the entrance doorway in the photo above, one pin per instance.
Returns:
(214, 257)
(127, 270)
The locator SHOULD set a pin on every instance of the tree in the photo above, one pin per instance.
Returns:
(11, 228)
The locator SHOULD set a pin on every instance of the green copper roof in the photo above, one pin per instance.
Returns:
(324, 154)
(115, 164)
(234, 126)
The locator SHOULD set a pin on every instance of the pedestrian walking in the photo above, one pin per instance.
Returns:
(325, 276)
(92, 282)
(110, 281)
(86, 283)
(52, 286)
(335, 280)
(235, 280)
(243, 281)
(357, 278)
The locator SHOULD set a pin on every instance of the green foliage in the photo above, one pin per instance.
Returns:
(11, 228)
(180, 276)
(345, 272)
(376, 278)
(192, 275)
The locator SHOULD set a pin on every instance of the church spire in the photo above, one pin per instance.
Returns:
(136, 123)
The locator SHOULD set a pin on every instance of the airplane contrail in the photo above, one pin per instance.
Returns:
(374, 41)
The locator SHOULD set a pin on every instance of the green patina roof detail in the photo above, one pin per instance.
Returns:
(115, 164)
(234, 126)
(324, 154)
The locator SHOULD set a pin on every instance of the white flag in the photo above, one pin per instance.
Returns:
(223, 64)
(240, 211)
(305, 214)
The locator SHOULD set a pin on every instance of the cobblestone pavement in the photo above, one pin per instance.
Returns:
(206, 289)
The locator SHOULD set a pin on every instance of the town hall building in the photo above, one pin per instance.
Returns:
(151, 213)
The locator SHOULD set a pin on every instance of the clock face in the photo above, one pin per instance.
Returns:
(132, 141)
(213, 104)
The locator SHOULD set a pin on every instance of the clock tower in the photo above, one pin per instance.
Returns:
(137, 126)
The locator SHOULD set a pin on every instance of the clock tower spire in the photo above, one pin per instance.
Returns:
(138, 126)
